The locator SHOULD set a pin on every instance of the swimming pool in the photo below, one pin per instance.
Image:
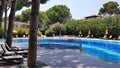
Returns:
(102, 49)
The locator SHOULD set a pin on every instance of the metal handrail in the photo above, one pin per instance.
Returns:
(81, 49)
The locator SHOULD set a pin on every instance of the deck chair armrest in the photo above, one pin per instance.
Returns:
(15, 48)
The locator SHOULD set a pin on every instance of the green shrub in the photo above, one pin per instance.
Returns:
(21, 32)
(97, 26)
(48, 32)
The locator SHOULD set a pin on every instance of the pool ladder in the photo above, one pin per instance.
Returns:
(81, 49)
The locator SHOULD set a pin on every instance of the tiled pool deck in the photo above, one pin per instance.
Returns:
(67, 58)
(72, 59)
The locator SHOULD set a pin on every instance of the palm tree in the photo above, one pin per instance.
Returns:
(11, 22)
(33, 32)
(14, 7)
(2, 7)
(5, 20)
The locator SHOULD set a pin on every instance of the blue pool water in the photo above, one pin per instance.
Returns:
(102, 49)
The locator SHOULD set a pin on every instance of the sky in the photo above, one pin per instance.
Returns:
(78, 8)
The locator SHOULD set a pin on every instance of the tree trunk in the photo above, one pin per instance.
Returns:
(33, 34)
(2, 6)
(11, 22)
(5, 21)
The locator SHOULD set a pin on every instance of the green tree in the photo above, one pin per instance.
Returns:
(43, 18)
(72, 27)
(22, 3)
(96, 26)
(26, 15)
(18, 17)
(58, 13)
(43, 21)
(110, 8)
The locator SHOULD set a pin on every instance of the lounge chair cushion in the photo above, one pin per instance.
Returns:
(9, 53)
(21, 51)
(13, 57)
